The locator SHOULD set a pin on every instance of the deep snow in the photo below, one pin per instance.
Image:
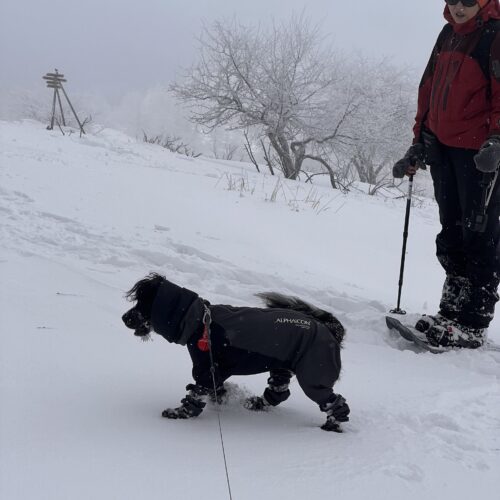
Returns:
(80, 398)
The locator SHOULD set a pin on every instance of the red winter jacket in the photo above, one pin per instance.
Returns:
(458, 100)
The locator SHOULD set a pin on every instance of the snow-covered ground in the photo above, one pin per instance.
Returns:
(81, 398)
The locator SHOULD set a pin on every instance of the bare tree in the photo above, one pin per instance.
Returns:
(282, 80)
(172, 143)
(249, 150)
(225, 151)
(365, 162)
(266, 151)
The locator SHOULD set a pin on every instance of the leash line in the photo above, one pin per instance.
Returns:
(207, 319)
(224, 455)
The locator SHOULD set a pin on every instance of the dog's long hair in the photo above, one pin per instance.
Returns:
(280, 301)
(144, 292)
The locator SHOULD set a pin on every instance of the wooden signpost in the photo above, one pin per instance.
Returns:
(55, 81)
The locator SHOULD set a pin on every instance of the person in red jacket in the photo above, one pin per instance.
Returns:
(457, 133)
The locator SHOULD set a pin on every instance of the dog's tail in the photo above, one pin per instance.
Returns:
(280, 301)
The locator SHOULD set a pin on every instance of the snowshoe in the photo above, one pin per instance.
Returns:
(448, 333)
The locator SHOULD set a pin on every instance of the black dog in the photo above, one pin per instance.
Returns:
(286, 338)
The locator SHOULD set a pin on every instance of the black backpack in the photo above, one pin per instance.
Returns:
(481, 52)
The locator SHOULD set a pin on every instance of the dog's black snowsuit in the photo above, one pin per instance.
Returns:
(247, 340)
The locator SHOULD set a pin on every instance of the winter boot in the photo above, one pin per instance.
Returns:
(426, 321)
(477, 305)
(337, 410)
(449, 308)
(454, 288)
(448, 333)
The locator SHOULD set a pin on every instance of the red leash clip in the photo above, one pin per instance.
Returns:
(203, 343)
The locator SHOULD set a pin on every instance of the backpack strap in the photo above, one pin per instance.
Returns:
(445, 32)
(481, 52)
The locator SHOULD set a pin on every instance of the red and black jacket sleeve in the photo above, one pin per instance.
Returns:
(426, 85)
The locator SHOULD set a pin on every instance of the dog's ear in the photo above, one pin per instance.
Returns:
(146, 288)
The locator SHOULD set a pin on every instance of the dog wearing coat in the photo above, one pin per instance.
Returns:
(288, 337)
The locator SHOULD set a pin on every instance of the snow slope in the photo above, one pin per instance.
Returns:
(80, 398)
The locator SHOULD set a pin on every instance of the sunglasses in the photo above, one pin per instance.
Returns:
(465, 3)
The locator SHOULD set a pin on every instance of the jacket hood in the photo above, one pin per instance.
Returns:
(177, 313)
(490, 11)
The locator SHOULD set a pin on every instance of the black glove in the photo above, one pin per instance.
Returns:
(414, 157)
(488, 158)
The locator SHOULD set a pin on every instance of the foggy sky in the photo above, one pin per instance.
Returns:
(112, 46)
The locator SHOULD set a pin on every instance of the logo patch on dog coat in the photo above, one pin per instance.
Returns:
(301, 323)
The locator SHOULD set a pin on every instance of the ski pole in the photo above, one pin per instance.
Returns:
(398, 309)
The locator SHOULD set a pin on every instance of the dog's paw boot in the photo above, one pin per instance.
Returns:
(173, 413)
(331, 425)
(256, 403)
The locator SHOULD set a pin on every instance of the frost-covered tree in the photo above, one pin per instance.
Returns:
(36, 104)
(383, 123)
(18, 104)
(283, 79)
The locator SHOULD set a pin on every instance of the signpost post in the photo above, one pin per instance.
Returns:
(55, 81)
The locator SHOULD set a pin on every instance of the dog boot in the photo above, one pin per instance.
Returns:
(256, 403)
(337, 411)
(331, 425)
(273, 396)
(276, 392)
(192, 405)
(449, 333)
(222, 395)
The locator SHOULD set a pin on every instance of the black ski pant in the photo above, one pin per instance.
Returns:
(462, 251)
